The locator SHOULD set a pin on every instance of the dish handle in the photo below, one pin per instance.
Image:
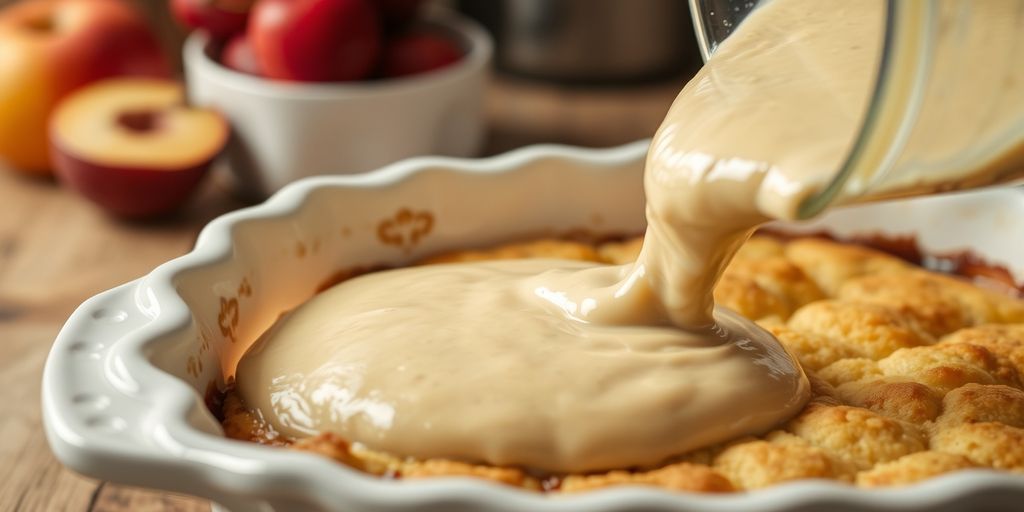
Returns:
(94, 413)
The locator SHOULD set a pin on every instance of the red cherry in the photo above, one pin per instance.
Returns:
(418, 52)
(221, 18)
(238, 55)
(315, 40)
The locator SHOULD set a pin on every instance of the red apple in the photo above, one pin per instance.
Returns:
(239, 56)
(221, 18)
(398, 14)
(49, 48)
(132, 146)
(418, 52)
(315, 40)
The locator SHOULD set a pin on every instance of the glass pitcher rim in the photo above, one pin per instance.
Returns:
(885, 124)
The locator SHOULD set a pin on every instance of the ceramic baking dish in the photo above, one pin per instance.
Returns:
(124, 386)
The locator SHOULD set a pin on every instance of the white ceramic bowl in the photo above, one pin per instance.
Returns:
(124, 384)
(286, 130)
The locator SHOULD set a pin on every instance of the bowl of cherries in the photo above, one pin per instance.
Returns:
(334, 86)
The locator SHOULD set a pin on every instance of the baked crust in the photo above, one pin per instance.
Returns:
(914, 374)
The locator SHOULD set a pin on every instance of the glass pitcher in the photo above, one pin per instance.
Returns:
(928, 60)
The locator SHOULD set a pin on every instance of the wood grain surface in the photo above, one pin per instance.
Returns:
(56, 250)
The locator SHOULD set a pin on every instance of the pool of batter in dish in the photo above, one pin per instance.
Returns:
(913, 374)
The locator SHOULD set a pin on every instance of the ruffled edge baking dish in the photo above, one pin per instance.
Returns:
(124, 385)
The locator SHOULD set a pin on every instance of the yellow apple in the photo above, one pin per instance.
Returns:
(49, 48)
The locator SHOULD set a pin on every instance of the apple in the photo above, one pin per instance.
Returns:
(418, 52)
(221, 18)
(239, 56)
(131, 145)
(398, 14)
(315, 40)
(49, 48)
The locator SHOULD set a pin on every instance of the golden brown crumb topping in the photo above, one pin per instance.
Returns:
(914, 374)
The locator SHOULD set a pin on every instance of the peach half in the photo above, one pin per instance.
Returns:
(132, 146)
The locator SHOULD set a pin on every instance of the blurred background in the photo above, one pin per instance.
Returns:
(583, 72)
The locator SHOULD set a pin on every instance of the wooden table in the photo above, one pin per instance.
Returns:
(56, 250)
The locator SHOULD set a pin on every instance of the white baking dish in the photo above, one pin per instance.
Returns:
(282, 131)
(123, 387)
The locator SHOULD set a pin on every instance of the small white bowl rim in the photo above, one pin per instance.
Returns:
(258, 472)
(479, 49)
